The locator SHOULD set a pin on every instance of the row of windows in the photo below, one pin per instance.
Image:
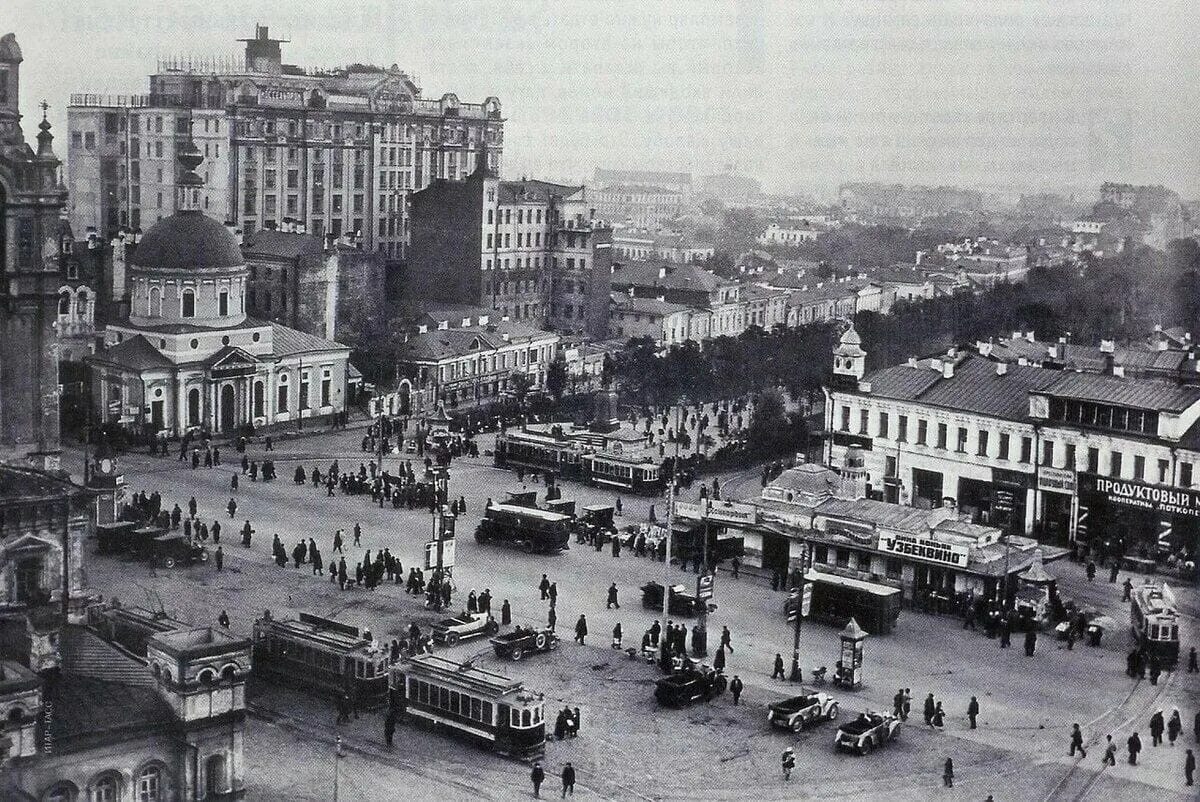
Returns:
(523, 216)
(454, 702)
(150, 786)
(1052, 456)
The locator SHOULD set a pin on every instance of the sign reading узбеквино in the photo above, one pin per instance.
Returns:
(1127, 493)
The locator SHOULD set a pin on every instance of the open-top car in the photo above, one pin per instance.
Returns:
(866, 732)
(171, 550)
(800, 711)
(522, 641)
(462, 626)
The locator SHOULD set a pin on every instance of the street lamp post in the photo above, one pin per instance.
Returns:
(670, 522)
(796, 674)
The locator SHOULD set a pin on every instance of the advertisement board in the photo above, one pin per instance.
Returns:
(924, 549)
(1056, 480)
(1140, 496)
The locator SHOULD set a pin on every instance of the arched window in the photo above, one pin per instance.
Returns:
(149, 785)
(207, 676)
(63, 792)
(64, 302)
(223, 303)
(106, 789)
(81, 304)
(189, 303)
(229, 674)
(193, 409)
(155, 304)
(281, 404)
(214, 775)
(16, 714)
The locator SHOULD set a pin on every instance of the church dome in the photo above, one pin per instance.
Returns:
(188, 240)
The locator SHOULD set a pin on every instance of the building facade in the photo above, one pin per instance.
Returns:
(339, 150)
(638, 205)
(188, 356)
(31, 242)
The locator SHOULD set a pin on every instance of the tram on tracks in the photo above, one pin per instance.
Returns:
(1154, 620)
(322, 656)
(638, 475)
(465, 701)
(521, 450)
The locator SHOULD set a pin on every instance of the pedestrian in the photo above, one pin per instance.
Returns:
(216, 532)
(973, 710)
(568, 780)
(948, 773)
(505, 613)
(1134, 744)
(612, 597)
(536, 776)
(1110, 752)
(553, 593)
(357, 534)
(1112, 573)
(389, 727)
(617, 636)
(581, 629)
(939, 716)
(1156, 728)
(898, 704)
(337, 542)
(233, 482)
(223, 619)
(907, 704)
(726, 639)
(1155, 669)
(343, 708)
(787, 762)
(1193, 667)
(1174, 727)
(1091, 571)
(735, 687)
(544, 587)
(736, 565)
(1030, 642)
(1189, 767)
(778, 670)
(930, 707)
(1196, 726)
(1127, 587)
(1077, 741)
(551, 619)
(220, 558)
(232, 507)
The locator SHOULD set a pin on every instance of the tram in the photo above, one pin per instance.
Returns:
(322, 656)
(635, 474)
(537, 452)
(1155, 622)
(473, 703)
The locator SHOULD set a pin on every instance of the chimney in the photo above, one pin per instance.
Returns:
(1118, 371)
(662, 272)
(1001, 368)
(948, 369)
(984, 349)
(1052, 350)
(300, 228)
(1108, 346)
(912, 363)
(1162, 344)
(1029, 336)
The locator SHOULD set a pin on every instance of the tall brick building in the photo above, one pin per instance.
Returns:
(529, 250)
(339, 150)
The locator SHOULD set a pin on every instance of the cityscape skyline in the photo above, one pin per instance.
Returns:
(907, 97)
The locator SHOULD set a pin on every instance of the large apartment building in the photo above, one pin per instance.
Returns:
(338, 150)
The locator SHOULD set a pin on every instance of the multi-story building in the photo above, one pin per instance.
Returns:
(472, 362)
(664, 322)
(31, 274)
(529, 250)
(314, 287)
(641, 245)
(1061, 453)
(638, 205)
(339, 150)
(676, 182)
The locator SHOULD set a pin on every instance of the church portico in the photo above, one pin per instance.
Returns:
(188, 358)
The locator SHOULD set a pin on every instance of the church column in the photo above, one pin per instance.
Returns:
(180, 405)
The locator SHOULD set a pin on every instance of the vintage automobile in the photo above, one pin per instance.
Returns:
(689, 686)
(115, 537)
(683, 602)
(521, 641)
(866, 732)
(172, 550)
(798, 712)
(462, 626)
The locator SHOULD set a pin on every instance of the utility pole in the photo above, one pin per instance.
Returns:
(797, 675)
(670, 523)
(379, 403)
(337, 763)
(301, 395)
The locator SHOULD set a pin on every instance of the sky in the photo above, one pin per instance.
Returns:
(802, 94)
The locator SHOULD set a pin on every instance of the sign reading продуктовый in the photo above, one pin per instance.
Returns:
(1138, 495)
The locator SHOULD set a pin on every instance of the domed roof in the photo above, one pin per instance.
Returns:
(850, 337)
(188, 241)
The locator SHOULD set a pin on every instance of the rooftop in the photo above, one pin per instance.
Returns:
(649, 306)
(453, 342)
(29, 484)
(281, 244)
(687, 276)
(287, 342)
(531, 190)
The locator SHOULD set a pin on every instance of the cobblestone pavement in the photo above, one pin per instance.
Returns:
(629, 748)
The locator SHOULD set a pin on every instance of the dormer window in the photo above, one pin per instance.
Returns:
(188, 304)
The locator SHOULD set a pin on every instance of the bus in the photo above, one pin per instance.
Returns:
(636, 474)
(1155, 622)
(535, 531)
(537, 452)
(322, 656)
(470, 702)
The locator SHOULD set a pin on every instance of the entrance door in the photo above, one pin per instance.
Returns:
(156, 415)
(227, 408)
(776, 552)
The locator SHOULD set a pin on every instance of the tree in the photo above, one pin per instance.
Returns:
(556, 377)
(520, 382)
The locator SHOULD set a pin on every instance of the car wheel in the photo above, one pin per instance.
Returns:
(451, 638)
(527, 546)
(798, 725)
(168, 562)
(517, 654)
(202, 556)
(833, 711)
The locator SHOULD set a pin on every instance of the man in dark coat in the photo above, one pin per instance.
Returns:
(778, 669)
(1189, 767)
(1134, 745)
(568, 780)
(972, 710)
(389, 727)
(735, 687)
(930, 707)
(1156, 728)
(536, 776)
(544, 587)
(612, 597)
(581, 629)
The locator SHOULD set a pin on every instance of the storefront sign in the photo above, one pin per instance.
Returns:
(725, 512)
(1138, 495)
(925, 549)
(1056, 480)
(704, 586)
(847, 440)
(858, 532)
